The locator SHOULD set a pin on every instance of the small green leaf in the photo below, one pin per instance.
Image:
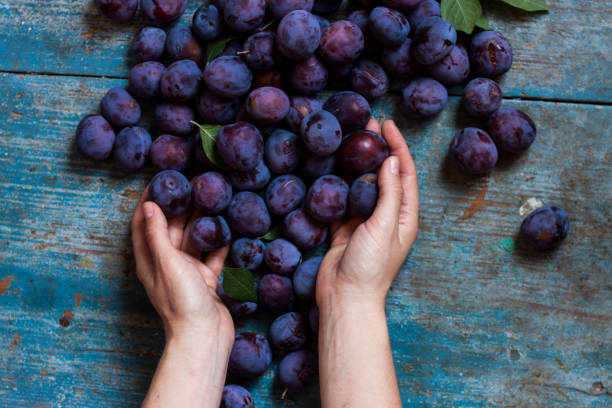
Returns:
(208, 135)
(273, 233)
(239, 284)
(215, 48)
(483, 22)
(528, 5)
(461, 13)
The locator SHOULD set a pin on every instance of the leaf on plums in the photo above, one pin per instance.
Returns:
(208, 135)
(483, 22)
(273, 233)
(215, 48)
(239, 284)
(462, 14)
(528, 5)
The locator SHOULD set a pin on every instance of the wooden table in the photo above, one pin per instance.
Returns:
(476, 319)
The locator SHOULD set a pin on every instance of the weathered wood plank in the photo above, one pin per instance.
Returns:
(559, 55)
(476, 318)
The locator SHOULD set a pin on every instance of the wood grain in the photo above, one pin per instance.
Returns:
(476, 319)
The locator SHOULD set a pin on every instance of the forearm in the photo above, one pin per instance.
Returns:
(355, 361)
(191, 372)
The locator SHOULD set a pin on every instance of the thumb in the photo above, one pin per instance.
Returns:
(387, 211)
(156, 229)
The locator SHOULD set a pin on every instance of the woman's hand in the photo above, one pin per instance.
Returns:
(199, 329)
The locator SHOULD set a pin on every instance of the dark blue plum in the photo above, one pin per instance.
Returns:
(313, 319)
(481, 97)
(118, 10)
(206, 23)
(301, 106)
(298, 35)
(260, 51)
(209, 233)
(131, 148)
(236, 308)
(490, 54)
(363, 195)
(215, 109)
(424, 97)
(171, 191)
(179, 82)
(341, 42)
(169, 152)
(452, 69)
(174, 118)
(280, 8)
(244, 15)
(181, 44)
(512, 130)
(240, 145)
(369, 79)
(149, 44)
(321, 133)
(388, 26)
(327, 197)
(252, 180)
(120, 108)
(247, 253)
(276, 293)
(474, 150)
(145, 78)
(433, 40)
(282, 151)
(163, 12)
(235, 396)
(350, 108)
(95, 137)
(301, 229)
(247, 214)
(284, 194)
(228, 76)
(305, 278)
(250, 356)
(545, 227)
(288, 332)
(308, 76)
(400, 61)
(267, 105)
(362, 151)
(297, 369)
(282, 257)
(317, 166)
(424, 9)
(211, 192)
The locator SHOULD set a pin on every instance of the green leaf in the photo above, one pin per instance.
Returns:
(273, 233)
(461, 13)
(215, 48)
(208, 135)
(483, 22)
(528, 5)
(239, 284)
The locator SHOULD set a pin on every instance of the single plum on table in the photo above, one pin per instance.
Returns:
(512, 130)
(248, 215)
(308, 76)
(260, 51)
(244, 15)
(120, 108)
(369, 79)
(206, 23)
(215, 109)
(490, 54)
(118, 10)
(474, 150)
(169, 152)
(350, 108)
(95, 137)
(174, 118)
(228, 77)
(301, 106)
(235, 396)
(181, 44)
(424, 97)
(276, 293)
(240, 145)
(131, 148)
(434, 39)
(305, 278)
(362, 151)
(284, 194)
(247, 253)
(250, 356)
(298, 35)
(211, 192)
(545, 227)
(252, 180)
(481, 97)
(327, 197)
(341, 42)
(321, 133)
(267, 105)
(144, 79)
(297, 369)
(288, 332)
(282, 151)
(163, 12)
(171, 191)
(363, 195)
(209, 233)
(148, 44)
(282, 257)
(452, 69)
(179, 81)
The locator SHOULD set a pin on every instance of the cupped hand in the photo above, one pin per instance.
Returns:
(365, 256)
(180, 286)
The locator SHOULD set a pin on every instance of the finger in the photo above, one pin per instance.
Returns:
(409, 214)
(156, 230)
(176, 228)
(216, 259)
(142, 254)
(342, 231)
(386, 214)
(373, 126)
(186, 244)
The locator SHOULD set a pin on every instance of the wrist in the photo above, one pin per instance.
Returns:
(197, 337)
(346, 300)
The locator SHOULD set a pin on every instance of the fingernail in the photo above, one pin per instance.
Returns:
(394, 165)
(148, 210)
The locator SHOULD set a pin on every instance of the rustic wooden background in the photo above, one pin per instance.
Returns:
(476, 318)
